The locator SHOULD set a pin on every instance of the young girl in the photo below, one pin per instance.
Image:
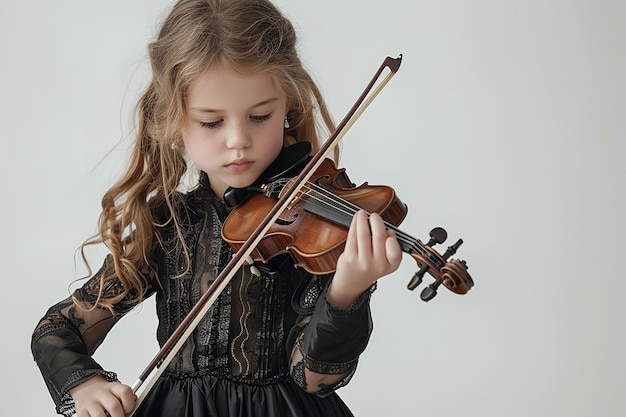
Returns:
(228, 93)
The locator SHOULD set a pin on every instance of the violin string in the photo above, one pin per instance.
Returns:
(350, 209)
(322, 197)
(329, 199)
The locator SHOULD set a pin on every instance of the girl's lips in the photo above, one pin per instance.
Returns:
(239, 165)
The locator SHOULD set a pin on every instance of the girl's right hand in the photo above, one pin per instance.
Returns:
(97, 397)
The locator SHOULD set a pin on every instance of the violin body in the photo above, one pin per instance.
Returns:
(314, 227)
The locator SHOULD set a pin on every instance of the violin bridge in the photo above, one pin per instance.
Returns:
(284, 184)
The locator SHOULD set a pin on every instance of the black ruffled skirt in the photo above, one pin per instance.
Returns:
(210, 396)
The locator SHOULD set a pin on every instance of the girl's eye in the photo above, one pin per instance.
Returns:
(210, 125)
(254, 118)
(261, 118)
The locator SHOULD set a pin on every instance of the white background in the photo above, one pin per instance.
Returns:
(505, 125)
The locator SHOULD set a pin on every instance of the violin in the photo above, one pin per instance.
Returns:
(313, 228)
(303, 205)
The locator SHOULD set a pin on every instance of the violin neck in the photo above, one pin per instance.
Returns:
(344, 218)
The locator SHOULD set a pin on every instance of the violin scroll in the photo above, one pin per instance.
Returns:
(452, 274)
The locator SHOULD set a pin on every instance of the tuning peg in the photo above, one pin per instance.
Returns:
(430, 292)
(452, 249)
(452, 274)
(417, 278)
(437, 235)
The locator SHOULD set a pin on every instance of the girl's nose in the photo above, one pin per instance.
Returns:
(238, 137)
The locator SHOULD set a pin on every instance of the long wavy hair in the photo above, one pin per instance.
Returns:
(249, 36)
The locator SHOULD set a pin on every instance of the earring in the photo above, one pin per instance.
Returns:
(286, 123)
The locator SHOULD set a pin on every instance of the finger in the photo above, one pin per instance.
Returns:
(113, 407)
(351, 239)
(379, 237)
(377, 227)
(97, 410)
(393, 249)
(364, 234)
(126, 397)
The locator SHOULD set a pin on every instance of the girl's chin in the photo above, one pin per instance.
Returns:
(241, 184)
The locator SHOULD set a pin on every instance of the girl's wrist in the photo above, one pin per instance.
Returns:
(340, 296)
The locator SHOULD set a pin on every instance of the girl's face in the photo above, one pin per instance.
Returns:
(234, 126)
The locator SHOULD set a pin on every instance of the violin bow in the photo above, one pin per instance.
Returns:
(175, 342)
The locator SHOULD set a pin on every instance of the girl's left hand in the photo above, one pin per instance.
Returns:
(371, 252)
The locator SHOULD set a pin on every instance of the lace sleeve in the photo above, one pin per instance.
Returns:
(70, 332)
(327, 341)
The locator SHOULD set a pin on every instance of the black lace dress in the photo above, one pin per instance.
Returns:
(264, 343)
